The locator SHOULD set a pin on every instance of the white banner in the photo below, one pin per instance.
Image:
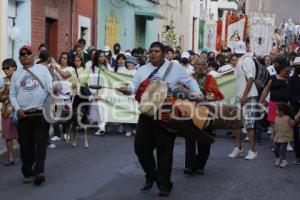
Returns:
(261, 33)
(210, 35)
(236, 32)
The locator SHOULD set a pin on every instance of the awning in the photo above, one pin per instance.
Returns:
(149, 15)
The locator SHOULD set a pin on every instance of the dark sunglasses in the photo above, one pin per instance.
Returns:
(25, 53)
(5, 68)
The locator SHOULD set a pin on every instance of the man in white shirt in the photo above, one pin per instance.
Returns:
(150, 135)
(247, 95)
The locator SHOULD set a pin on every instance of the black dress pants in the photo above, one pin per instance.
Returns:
(33, 136)
(151, 136)
(195, 160)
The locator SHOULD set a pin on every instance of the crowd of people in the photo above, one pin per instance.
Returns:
(24, 91)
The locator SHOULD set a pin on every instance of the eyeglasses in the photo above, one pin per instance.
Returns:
(5, 68)
(25, 53)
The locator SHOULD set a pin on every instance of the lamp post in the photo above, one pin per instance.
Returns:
(14, 33)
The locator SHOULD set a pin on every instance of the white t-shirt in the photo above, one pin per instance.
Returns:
(245, 68)
(271, 70)
(122, 70)
(65, 82)
(189, 69)
(89, 64)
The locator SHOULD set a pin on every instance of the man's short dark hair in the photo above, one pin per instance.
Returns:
(81, 41)
(137, 51)
(168, 49)
(158, 45)
(9, 63)
(42, 45)
(117, 45)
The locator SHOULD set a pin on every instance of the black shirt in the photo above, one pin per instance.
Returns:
(279, 90)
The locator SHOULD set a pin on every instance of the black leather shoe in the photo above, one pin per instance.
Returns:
(148, 185)
(164, 193)
(39, 179)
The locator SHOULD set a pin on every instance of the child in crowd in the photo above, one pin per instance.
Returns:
(283, 134)
(131, 63)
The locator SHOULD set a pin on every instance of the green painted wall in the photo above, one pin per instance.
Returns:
(126, 14)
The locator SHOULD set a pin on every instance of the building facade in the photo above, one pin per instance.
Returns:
(217, 8)
(288, 8)
(132, 23)
(3, 16)
(185, 15)
(85, 21)
(15, 23)
(60, 23)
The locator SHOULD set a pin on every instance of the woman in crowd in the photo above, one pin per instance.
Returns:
(45, 60)
(212, 68)
(89, 63)
(233, 60)
(130, 65)
(120, 64)
(62, 74)
(278, 88)
(99, 63)
(211, 56)
(9, 128)
(79, 80)
(130, 70)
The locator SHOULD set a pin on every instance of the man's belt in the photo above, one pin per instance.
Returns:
(33, 111)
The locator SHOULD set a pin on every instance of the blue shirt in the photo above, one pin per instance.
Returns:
(26, 92)
(177, 75)
(1, 81)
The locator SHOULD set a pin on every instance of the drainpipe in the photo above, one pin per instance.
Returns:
(95, 28)
(72, 23)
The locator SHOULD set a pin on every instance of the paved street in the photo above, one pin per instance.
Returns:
(109, 170)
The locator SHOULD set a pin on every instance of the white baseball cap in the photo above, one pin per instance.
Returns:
(297, 61)
(185, 55)
(239, 48)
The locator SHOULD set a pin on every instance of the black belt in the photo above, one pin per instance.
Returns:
(33, 111)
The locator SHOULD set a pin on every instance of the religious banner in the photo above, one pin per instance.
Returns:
(118, 108)
(219, 35)
(210, 35)
(236, 28)
(201, 34)
(235, 32)
(112, 29)
(261, 33)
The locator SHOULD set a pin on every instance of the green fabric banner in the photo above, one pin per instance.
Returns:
(201, 34)
(120, 108)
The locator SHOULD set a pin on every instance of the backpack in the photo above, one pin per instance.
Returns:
(262, 76)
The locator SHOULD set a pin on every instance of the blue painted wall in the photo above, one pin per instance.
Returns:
(126, 15)
(23, 22)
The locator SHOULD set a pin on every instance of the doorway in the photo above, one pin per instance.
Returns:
(51, 35)
(140, 31)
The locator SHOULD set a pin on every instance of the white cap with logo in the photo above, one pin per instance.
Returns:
(239, 48)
